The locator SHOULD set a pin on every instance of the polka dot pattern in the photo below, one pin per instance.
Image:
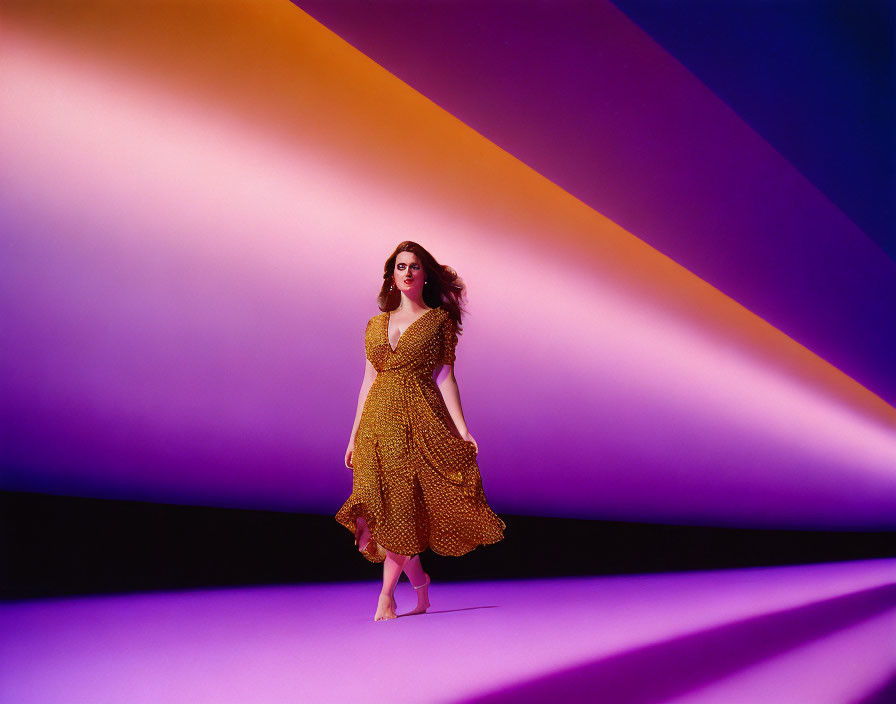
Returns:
(415, 481)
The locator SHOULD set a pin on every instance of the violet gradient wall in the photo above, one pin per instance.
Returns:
(197, 201)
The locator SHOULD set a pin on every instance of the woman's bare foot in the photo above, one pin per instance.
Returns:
(385, 608)
(422, 599)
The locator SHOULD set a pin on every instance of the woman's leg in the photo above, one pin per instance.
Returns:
(362, 533)
(420, 581)
(392, 567)
(414, 570)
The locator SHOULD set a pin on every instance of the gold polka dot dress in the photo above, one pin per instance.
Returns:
(415, 482)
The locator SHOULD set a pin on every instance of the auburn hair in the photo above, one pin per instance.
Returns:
(443, 286)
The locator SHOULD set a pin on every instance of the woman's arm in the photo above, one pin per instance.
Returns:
(366, 383)
(447, 384)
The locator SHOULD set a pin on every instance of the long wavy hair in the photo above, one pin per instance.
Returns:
(443, 286)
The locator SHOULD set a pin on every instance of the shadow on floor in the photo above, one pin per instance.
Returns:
(664, 670)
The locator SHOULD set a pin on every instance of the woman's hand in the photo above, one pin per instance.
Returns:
(469, 438)
(349, 453)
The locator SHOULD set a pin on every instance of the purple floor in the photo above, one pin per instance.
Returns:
(819, 633)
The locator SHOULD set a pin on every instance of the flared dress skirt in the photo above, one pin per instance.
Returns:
(414, 481)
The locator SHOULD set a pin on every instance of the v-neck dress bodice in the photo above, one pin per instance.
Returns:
(401, 334)
(415, 480)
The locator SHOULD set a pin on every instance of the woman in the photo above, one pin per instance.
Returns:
(416, 484)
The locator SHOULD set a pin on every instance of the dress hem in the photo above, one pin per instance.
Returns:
(373, 539)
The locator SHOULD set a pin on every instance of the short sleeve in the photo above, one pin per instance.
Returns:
(367, 341)
(449, 340)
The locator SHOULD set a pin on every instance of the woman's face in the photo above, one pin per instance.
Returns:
(408, 273)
